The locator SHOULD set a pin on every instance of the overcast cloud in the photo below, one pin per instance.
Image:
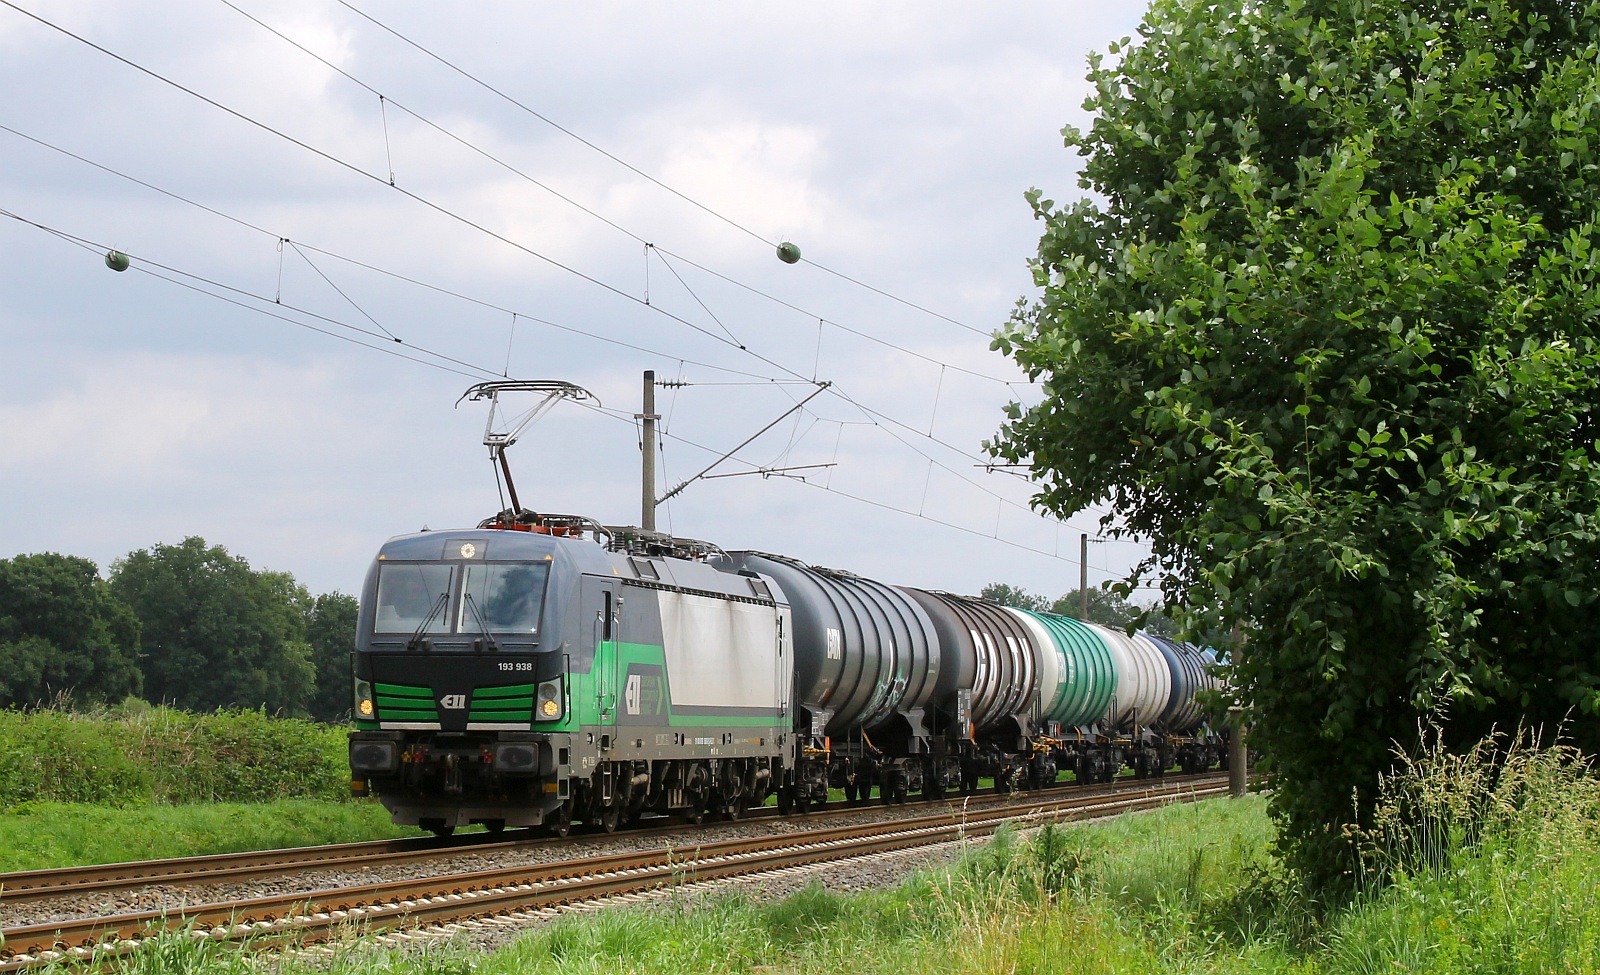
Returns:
(216, 389)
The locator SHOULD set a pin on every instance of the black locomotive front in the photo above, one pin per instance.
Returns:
(461, 700)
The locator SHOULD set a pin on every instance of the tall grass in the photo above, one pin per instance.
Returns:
(1482, 861)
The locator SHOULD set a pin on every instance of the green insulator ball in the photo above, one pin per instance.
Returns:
(116, 260)
(788, 253)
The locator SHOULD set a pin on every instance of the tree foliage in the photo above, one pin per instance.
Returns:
(63, 632)
(1015, 596)
(331, 635)
(217, 633)
(1327, 338)
(1105, 607)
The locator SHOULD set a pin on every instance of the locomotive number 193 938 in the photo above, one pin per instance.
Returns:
(516, 665)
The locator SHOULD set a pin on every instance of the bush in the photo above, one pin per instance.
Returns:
(60, 756)
(134, 755)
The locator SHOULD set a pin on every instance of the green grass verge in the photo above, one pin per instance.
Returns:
(41, 835)
(1478, 863)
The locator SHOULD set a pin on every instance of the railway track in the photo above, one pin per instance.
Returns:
(33, 885)
(310, 916)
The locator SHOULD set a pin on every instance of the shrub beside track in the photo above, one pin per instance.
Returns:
(139, 755)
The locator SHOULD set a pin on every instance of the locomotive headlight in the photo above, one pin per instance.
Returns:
(547, 702)
(374, 756)
(364, 706)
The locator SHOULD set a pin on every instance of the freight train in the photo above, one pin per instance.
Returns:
(542, 669)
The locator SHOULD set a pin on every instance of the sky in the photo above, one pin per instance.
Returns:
(341, 215)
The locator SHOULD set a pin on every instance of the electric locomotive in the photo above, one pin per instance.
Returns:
(519, 674)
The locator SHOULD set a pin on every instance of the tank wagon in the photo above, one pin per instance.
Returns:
(542, 668)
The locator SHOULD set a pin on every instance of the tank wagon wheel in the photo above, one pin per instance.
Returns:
(785, 800)
(886, 787)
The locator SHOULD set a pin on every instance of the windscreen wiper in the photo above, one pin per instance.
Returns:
(483, 625)
(416, 637)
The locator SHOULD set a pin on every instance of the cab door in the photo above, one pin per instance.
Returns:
(601, 616)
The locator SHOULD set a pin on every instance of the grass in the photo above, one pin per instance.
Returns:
(39, 835)
(1482, 862)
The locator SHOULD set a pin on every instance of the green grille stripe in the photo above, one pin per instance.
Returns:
(516, 690)
(401, 690)
(407, 712)
(404, 702)
(508, 717)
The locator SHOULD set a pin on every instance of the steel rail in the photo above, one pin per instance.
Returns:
(413, 903)
(33, 885)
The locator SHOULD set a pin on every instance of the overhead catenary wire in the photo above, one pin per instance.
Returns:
(877, 418)
(354, 262)
(875, 415)
(632, 168)
(881, 505)
(445, 211)
(468, 144)
(468, 221)
(458, 367)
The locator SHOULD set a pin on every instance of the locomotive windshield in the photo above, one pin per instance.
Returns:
(409, 593)
(508, 595)
(501, 597)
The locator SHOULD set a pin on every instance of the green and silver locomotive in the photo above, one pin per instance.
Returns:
(521, 674)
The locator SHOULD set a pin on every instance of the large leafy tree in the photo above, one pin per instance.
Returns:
(63, 632)
(217, 633)
(1326, 335)
(331, 635)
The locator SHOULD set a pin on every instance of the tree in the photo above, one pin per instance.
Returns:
(216, 632)
(1014, 596)
(62, 631)
(1105, 608)
(1328, 340)
(331, 634)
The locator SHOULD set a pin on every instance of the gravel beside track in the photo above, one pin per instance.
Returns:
(168, 895)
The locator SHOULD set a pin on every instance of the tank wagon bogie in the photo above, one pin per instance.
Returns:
(522, 674)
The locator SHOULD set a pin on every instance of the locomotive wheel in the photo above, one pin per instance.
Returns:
(560, 821)
(735, 809)
(610, 817)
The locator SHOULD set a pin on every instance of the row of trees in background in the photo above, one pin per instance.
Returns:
(1104, 607)
(187, 625)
